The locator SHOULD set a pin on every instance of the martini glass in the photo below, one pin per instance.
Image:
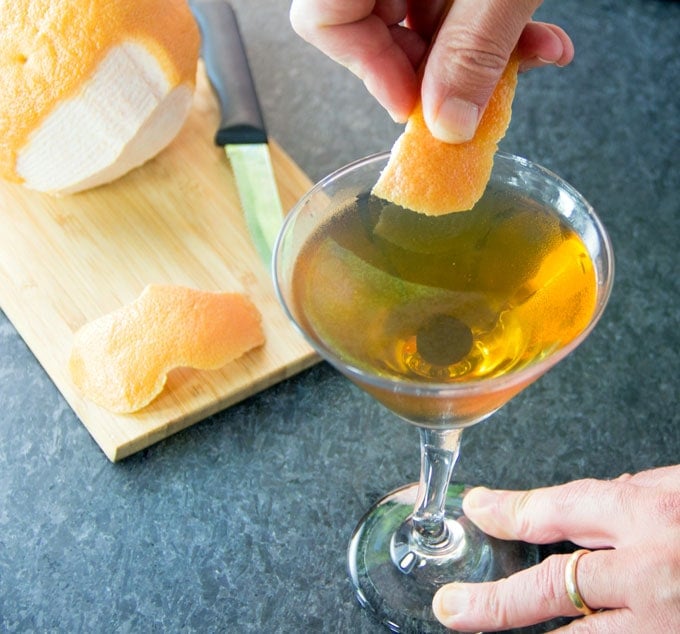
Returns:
(442, 320)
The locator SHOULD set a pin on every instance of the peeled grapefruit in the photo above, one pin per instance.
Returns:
(91, 88)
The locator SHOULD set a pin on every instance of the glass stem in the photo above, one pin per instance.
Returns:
(438, 452)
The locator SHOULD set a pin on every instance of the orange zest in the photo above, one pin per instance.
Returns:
(121, 360)
(432, 177)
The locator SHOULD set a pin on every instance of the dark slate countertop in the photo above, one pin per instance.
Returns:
(240, 524)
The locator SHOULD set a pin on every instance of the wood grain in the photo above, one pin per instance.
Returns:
(175, 220)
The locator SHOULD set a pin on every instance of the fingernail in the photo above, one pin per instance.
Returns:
(551, 62)
(448, 602)
(456, 121)
(397, 118)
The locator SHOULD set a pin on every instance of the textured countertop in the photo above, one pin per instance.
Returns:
(240, 524)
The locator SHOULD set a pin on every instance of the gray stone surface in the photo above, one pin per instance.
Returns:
(240, 523)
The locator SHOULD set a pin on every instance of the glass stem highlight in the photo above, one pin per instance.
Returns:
(438, 452)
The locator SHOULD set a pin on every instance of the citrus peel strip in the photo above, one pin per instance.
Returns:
(432, 177)
(120, 361)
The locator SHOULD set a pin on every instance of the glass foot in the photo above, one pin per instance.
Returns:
(396, 578)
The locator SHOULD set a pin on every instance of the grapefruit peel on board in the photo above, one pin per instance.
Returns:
(120, 361)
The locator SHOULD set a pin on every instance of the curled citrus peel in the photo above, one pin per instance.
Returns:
(121, 360)
(433, 177)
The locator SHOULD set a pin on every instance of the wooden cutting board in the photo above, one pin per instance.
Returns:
(176, 220)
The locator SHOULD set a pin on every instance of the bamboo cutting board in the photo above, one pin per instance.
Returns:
(175, 220)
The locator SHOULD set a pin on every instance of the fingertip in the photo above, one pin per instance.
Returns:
(399, 107)
(567, 45)
(449, 601)
(397, 118)
(489, 511)
(396, 90)
(479, 499)
(543, 44)
(438, 607)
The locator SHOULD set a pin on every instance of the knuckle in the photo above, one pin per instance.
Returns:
(464, 53)
(524, 518)
(497, 608)
(475, 61)
(479, 59)
(624, 477)
(624, 497)
(666, 570)
(544, 583)
(473, 48)
(667, 507)
(574, 493)
(550, 581)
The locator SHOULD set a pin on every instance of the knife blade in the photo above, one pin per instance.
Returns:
(242, 130)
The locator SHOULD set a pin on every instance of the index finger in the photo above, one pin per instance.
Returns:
(592, 513)
(365, 36)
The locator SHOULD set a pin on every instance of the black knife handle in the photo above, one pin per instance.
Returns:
(229, 73)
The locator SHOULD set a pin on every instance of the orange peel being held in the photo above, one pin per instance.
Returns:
(435, 178)
(121, 360)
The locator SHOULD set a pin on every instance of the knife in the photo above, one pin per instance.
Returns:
(242, 130)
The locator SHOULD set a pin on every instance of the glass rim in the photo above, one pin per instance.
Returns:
(522, 374)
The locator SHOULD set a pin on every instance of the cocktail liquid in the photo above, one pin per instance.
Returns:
(458, 297)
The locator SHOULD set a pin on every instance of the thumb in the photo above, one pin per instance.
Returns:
(468, 56)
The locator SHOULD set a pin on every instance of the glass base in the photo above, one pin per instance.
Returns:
(397, 580)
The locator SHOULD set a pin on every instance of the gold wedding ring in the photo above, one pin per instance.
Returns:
(570, 581)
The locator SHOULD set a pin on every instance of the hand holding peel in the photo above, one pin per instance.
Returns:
(384, 43)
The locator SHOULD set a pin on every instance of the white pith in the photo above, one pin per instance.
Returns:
(126, 113)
